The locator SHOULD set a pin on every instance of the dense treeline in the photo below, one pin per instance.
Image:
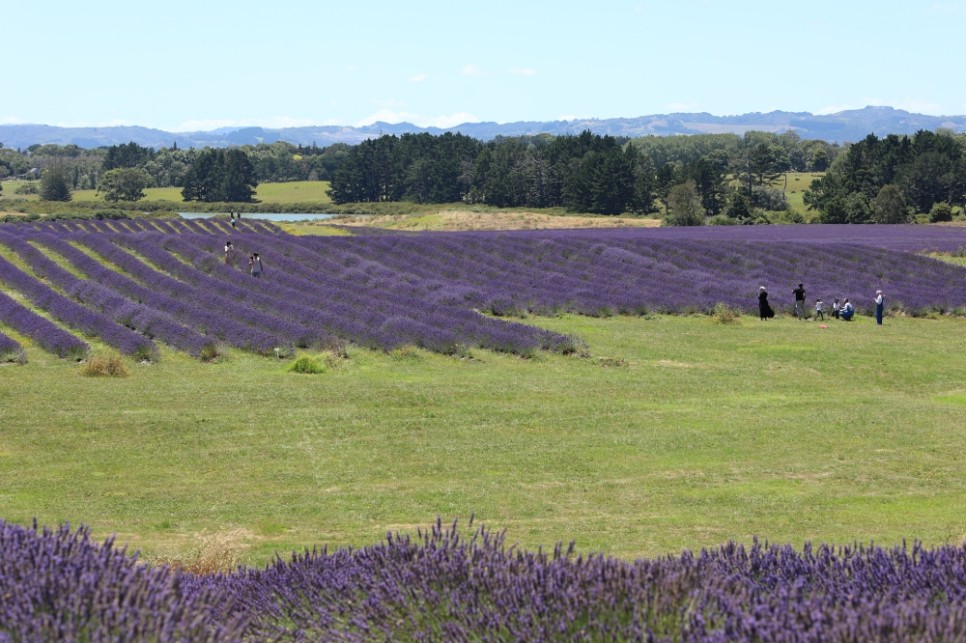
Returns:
(587, 173)
(220, 175)
(167, 167)
(886, 180)
(689, 178)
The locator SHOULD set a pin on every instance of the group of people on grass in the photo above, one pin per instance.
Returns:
(844, 311)
(255, 267)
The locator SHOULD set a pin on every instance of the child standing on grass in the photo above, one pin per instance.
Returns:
(820, 309)
(835, 308)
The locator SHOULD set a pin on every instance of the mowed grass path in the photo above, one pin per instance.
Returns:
(675, 433)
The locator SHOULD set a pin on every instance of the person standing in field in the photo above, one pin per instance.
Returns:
(764, 310)
(820, 309)
(835, 308)
(229, 255)
(255, 265)
(879, 307)
(799, 301)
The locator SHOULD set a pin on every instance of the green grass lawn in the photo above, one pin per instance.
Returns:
(674, 433)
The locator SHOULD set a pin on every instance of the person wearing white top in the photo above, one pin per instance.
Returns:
(848, 310)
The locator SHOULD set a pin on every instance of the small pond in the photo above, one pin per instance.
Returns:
(277, 217)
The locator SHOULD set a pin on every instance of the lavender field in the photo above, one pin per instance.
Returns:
(444, 584)
(136, 283)
(712, 437)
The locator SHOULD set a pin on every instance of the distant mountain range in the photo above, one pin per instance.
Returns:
(842, 127)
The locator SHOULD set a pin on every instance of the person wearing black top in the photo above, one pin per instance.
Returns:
(799, 301)
(764, 310)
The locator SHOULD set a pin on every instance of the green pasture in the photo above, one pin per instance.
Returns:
(294, 192)
(671, 433)
(795, 184)
(282, 193)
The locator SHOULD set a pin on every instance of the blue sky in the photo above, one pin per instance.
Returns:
(180, 65)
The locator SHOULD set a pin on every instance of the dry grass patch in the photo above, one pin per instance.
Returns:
(105, 365)
(217, 552)
(460, 220)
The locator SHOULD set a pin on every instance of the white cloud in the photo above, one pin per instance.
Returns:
(834, 109)
(524, 71)
(442, 121)
(919, 106)
(948, 8)
(418, 78)
(206, 124)
(472, 70)
(913, 105)
(682, 107)
(116, 122)
(275, 122)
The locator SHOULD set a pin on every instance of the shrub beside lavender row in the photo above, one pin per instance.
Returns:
(443, 585)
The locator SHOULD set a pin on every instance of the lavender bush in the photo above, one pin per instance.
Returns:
(61, 586)
(10, 350)
(444, 585)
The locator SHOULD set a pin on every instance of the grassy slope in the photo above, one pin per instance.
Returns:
(798, 182)
(677, 432)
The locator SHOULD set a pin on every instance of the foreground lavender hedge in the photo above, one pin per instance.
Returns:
(442, 586)
(60, 586)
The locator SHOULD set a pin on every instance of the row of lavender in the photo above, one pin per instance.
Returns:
(167, 226)
(138, 281)
(129, 331)
(628, 271)
(440, 585)
(192, 306)
(632, 271)
(584, 273)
